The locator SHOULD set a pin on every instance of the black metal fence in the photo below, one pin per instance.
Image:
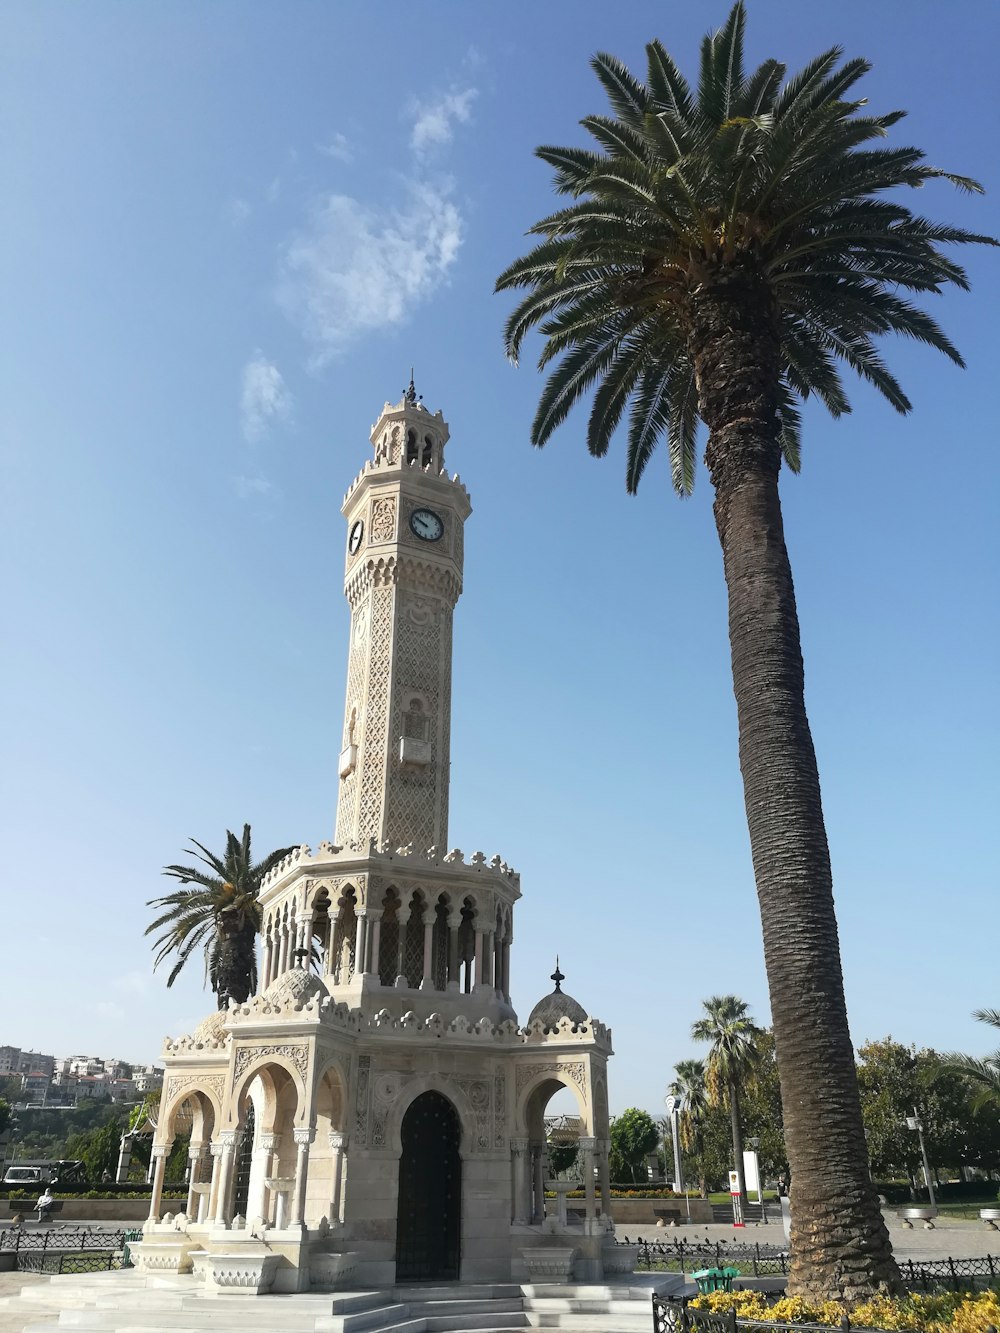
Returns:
(769, 1261)
(85, 1261)
(676, 1317)
(19, 1240)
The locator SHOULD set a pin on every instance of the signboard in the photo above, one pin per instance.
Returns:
(734, 1194)
(750, 1160)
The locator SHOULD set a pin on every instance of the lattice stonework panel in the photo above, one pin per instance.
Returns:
(413, 809)
(356, 665)
(413, 955)
(375, 717)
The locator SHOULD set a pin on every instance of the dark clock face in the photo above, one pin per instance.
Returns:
(356, 534)
(426, 525)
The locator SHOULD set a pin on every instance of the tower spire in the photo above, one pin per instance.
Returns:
(557, 976)
(410, 394)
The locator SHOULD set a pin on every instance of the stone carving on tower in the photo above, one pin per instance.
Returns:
(383, 1018)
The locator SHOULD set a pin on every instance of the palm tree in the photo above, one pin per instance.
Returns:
(983, 1073)
(732, 1056)
(725, 250)
(689, 1087)
(222, 914)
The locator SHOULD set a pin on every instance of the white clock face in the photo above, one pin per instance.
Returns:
(426, 525)
(356, 534)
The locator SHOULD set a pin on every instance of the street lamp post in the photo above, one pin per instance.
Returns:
(914, 1122)
(674, 1106)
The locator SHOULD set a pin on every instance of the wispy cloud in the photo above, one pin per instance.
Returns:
(239, 211)
(135, 982)
(109, 1009)
(338, 147)
(434, 122)
(248, 486)
(264, 398)
(354, 269)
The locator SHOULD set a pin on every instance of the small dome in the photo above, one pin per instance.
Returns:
(558, 1005)
(294, 987)
(212, 1028)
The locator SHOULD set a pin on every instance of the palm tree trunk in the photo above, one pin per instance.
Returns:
(734, 1118)
(840, 1245)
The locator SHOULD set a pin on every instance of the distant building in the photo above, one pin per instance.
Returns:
(10, 1059)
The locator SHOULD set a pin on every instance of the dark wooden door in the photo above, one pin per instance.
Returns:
(428, 1221)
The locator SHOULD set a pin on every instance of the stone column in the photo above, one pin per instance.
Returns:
(604, 1170)
(359, 943)
(489, 944)
(454, 970)
(303, 1138)
(428, 978)
(160, 1153)
(478, 982)
(403, 918)
(213, 1193)
(497, 964)
(522, 1167)
(228, 1141)
(266, 1144)
(338, 1151)
(196, 1155)
(374, 941)
(303, 940)
(505, 983)
(538, 1187)
(587, 1147)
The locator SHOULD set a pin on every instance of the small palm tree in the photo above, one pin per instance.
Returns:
(731, 1059)
(689, 1086)
(984, 1072)
(221, 915)
(725, 252)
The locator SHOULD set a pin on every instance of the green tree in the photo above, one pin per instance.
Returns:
(634, 1135)
(689, 1086)
(221, 915)
(98, 1148)
(725, 250)
(761, 1110)
(732, 1057)
(5, 1114)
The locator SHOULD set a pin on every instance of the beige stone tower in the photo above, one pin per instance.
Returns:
(403, 576)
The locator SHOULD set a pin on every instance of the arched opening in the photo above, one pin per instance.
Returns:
(344, 940)
(427, 453)
(244, 1163)
(413, 953)
(440, 943)
(412, 448)
(428, 1221)
(322, 930)
(388, 960)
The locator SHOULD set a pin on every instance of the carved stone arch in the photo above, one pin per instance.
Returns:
(538, 1084)
(410, 1090)
(292, 1058)
(177, 1089)
(331, 1087)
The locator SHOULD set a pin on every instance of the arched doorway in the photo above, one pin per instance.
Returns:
(428, 1221)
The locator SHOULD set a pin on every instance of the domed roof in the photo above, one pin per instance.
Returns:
(295, 987)
(212, 1028)
(558, 1005)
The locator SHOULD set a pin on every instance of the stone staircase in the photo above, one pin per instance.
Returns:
(129, 1302)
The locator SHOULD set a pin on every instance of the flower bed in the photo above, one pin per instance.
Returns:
(944, 1312)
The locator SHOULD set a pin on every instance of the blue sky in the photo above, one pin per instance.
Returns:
(228, 232)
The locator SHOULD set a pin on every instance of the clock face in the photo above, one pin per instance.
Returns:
(356, 534)
(426, 525)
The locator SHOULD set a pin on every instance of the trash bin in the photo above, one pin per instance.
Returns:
(715, 1279)
(135, 1233)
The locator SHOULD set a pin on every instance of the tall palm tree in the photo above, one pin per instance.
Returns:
(221, 914)
(725, 250)
(731, 1059)
(984, 1073)
(689, 1086)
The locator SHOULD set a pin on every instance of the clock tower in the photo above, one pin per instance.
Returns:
(403, 576)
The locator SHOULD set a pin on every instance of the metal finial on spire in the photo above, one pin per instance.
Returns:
(557, 976)
(410, 394)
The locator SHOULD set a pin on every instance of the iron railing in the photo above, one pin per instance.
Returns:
(87, 1261)
(19, 1240)
(768, 1261)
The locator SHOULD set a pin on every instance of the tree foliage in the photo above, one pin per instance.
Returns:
(634, 1135)
(220, 915)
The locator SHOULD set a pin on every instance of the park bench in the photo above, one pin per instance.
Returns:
(26, 1206)
(667, 1216)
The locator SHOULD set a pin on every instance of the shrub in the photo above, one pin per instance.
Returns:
(946, 1312)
